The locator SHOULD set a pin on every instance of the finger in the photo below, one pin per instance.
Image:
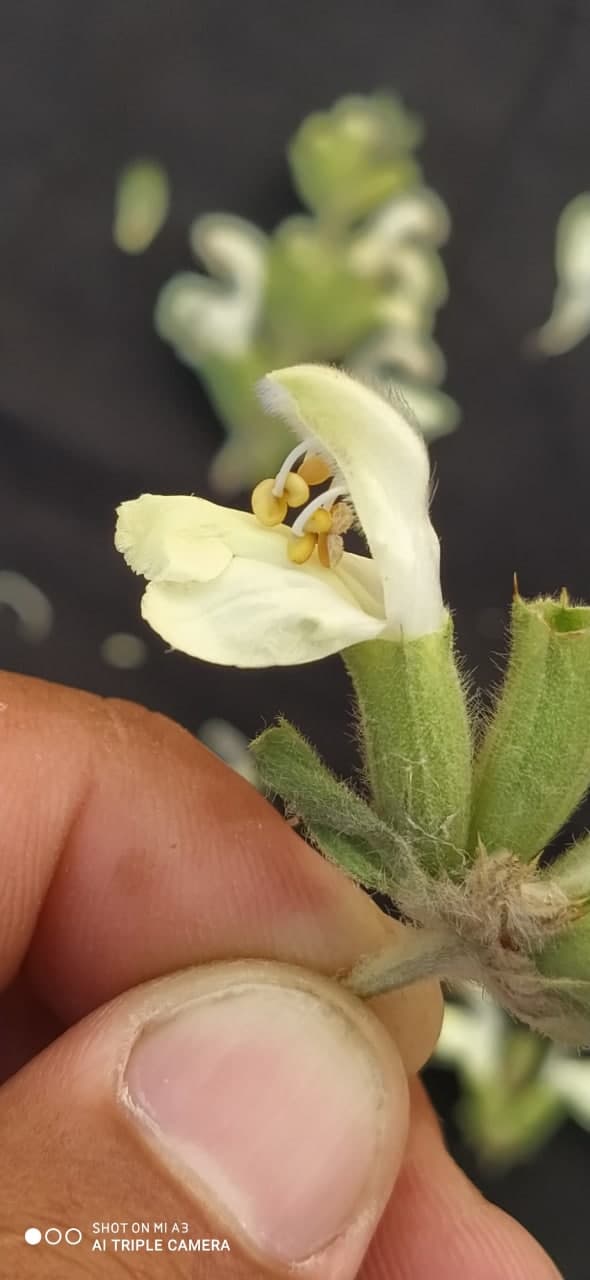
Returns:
(127, 851)
(26, 1026)
(436, 1213)
(257, 1103)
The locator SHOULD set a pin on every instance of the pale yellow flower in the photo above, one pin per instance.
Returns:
(227, 588)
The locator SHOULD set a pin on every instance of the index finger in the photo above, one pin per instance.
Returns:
(128, 851)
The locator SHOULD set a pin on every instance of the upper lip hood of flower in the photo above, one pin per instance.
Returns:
(221, 586)
(383, 462)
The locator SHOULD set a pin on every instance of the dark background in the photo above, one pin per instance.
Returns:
(95, 409)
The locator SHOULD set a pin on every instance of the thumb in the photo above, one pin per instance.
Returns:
(239, 1118)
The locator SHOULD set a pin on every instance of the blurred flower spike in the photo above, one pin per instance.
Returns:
(569, 322)
(301, 596)
(516, 1089)
(356, 279)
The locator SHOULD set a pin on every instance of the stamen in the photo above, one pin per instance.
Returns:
(281, 476)
(324, 500)
(268, 509)
(314, 469)
(301, 548)
(319, 522)
(296, 490)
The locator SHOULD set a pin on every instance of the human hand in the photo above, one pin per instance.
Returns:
(256, 1102)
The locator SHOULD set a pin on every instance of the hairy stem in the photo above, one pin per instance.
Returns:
(421, 953)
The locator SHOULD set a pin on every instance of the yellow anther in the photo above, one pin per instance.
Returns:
(330, 549)
(296, 490)
(268, 509)
(314, 469)
(320, 521)
(300, 549)
(342, 517)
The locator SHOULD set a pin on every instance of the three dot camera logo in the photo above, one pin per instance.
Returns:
(129, 1237)
(53, 1235)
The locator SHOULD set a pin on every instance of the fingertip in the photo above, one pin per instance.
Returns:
(413, 1016)
(285, 1099)
(257, 1101)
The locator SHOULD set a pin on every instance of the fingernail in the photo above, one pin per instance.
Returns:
(274, 1099)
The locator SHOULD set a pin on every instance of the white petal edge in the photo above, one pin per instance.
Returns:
(160, 539)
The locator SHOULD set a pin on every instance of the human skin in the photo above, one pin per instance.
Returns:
(173, 1044)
